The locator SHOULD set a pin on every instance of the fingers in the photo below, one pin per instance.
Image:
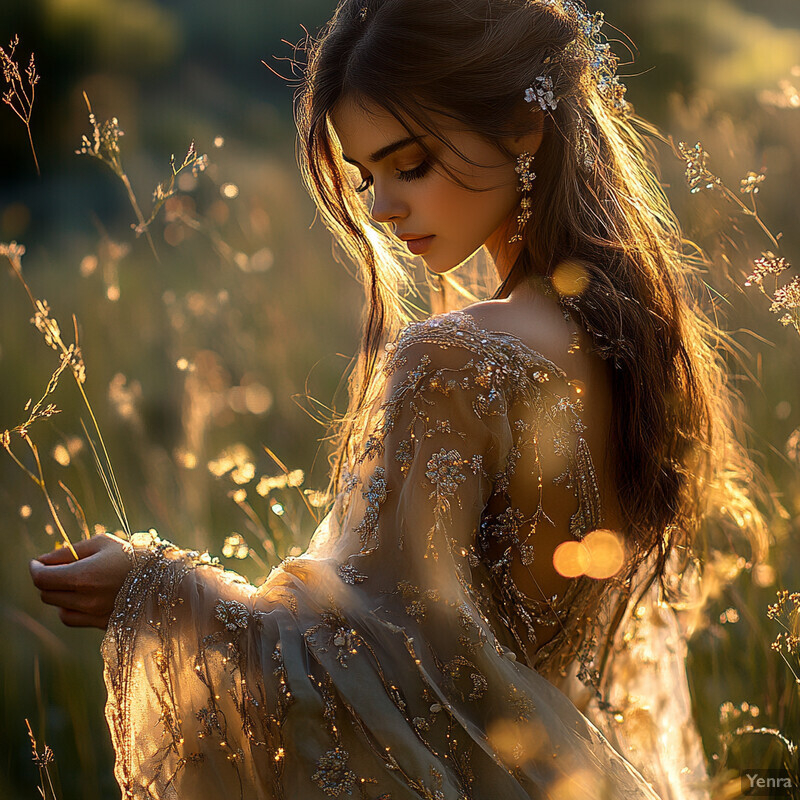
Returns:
(60, 556)
(63, 555)
(74, 601)
(57, 577)
(83, 590)
(88, 605)
(77, 619)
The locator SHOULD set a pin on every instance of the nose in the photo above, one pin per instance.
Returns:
(386, 207)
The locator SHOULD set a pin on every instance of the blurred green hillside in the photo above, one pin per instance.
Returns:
(237, 335)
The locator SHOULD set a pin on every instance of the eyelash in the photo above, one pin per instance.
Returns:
(408, 175)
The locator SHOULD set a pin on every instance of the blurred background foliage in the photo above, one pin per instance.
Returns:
(237, 334)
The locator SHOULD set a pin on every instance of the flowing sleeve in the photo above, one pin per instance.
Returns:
(370, 665)
(168, 639)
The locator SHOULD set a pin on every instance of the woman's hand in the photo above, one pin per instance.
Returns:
(84, 590)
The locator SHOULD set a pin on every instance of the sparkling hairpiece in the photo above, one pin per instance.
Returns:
(362, 14)
(543, 93)
(591, 45)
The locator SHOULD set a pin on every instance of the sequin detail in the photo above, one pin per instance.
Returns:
(377, 664)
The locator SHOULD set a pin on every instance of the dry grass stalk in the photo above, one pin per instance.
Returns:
(104, 146)
(42, 760)
(20, 102)
(70, 355)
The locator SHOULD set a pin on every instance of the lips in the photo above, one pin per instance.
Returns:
(418, 245)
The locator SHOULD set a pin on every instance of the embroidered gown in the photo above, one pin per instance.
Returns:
(397, 657)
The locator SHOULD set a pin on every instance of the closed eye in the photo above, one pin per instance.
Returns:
(404, 175)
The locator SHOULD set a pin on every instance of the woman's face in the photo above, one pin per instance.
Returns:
(423, 201)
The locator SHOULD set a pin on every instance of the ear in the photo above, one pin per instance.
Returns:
(531, 141)
(530, 118)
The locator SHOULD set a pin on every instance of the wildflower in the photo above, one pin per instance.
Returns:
(199, 165)
(74, 358)
(12, 251)
(697, 174)
(46, 756)
(749, 184)
(166, 189)
(787, 296)
(104, 144)
(768, 264)
(235, 456)
(46, 325)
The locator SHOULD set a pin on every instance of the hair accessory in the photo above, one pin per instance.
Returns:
(592, 45)
(362, 14)
(543, 93)
(526, 179)
(586, 154)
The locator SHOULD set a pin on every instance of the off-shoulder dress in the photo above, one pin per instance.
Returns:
(397, 657)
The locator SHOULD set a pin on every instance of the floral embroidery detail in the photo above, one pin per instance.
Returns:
(333, 775)
(232, 614)
(478, 683)
(416, 609)
(341, 635)
(376, 494)
(526, 554)
(349, 574)
(442, 426)
(476, 464)
(345, 639)
(405, 455)
(523, 706)
(445, 472)
(473, 637)
(415, 599)
(372, 448)
(210, 722)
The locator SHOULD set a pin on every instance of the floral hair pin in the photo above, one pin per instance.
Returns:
(543, 92)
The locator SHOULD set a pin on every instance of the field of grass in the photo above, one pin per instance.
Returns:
(228, 332)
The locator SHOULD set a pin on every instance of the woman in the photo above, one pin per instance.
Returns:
(518, 484)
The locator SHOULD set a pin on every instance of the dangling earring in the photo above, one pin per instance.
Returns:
(526, 178)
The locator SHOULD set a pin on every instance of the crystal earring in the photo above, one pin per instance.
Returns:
(526, 179)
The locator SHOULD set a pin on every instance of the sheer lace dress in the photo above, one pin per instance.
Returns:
(397, 657)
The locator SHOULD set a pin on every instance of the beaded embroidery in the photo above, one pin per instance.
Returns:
(375, 617)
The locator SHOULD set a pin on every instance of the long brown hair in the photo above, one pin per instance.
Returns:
(675, 417)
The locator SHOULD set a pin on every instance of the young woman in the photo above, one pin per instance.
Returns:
(518, 483)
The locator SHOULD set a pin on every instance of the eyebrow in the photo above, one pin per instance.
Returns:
(388, 149)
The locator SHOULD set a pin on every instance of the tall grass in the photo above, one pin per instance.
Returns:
(209, 336)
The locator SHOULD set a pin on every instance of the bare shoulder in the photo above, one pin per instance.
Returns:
(539, 323)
